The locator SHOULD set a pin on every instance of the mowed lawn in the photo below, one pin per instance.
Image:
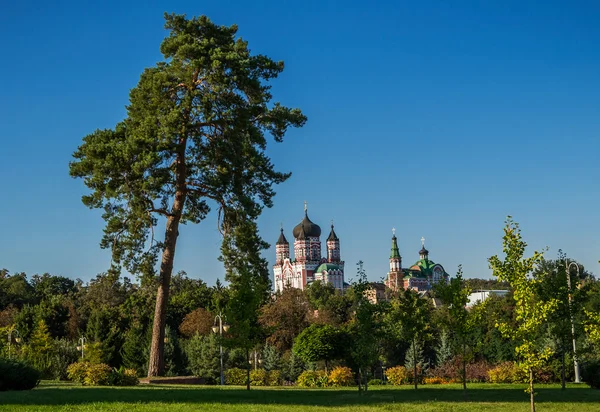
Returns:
(53, 396)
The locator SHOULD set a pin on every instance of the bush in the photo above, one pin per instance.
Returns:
(435, 381)
(77, 371)
(312, 379)
(91, 374)
(507, 372)
(376, 382)
(397, 375)
(590, 373)
(17, 376)
(235, 376)
(341, 376)
(274, 378)
(123, 377)
(258, 377)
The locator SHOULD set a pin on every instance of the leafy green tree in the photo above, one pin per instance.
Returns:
(319, 343)
(364, 329)
(248, 275)
(195, 133)
(408, 319)
(455, 295)
(16, 291)
(531, 312)
(553, 285)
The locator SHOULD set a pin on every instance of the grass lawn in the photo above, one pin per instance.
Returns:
(54, 396)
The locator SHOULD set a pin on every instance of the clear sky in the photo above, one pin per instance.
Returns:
(437, 118)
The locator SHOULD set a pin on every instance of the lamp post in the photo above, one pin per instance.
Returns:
(222, 327)
(17, 339)
(257, 360)
(575, 363)
(81, 346)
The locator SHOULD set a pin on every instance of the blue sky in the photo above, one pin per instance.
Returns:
(438, 119)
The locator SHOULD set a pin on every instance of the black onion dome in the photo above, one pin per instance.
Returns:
(310, 229)
(423, 251)
(282, 240)
(332, 235)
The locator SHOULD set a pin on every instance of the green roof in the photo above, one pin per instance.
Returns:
(327, 267)
(426, 267)
(395, 251)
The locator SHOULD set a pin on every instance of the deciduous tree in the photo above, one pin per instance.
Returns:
(531, 312)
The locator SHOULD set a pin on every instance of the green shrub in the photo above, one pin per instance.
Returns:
(341, 376)
(97, 374)
(235, 376)
(17, 376)
(590, 373)
(312, 379)
(274, 378)
(507, 372)
(123, 377)
(397, 375)
(77, 371)
(258, 377)
(376, 382)
(89, 374)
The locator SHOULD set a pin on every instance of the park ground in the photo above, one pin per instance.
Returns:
(57, 396)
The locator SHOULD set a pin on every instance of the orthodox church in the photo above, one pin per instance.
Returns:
(308, 265)
(421, 276)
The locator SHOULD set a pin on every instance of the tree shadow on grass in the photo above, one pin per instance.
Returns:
(148, 394)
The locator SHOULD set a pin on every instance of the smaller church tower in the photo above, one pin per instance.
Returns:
(394, 278)
(333, 247)
(423, 253)
(282, 248)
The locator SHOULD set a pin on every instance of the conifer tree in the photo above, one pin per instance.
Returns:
(194, 137)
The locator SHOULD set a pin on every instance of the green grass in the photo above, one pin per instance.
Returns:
(55, 396)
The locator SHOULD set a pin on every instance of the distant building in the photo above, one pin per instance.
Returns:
(308, 265)
(421, 276)
(376, 293)
(481, 295)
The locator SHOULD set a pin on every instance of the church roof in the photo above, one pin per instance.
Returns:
(327, 267)
(309, 228)
(395, 251)
(332, 235)
(282, 240)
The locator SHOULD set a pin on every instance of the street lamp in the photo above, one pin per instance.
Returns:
(17, 339)
(575, 363)
(257, 360)
(81, 346)
(219, 329)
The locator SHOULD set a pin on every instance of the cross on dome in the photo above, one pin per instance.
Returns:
(394, 231)
(423, 241)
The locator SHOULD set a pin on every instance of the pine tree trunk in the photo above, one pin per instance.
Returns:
(531, 394)
(156, 363)
(359, 381)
